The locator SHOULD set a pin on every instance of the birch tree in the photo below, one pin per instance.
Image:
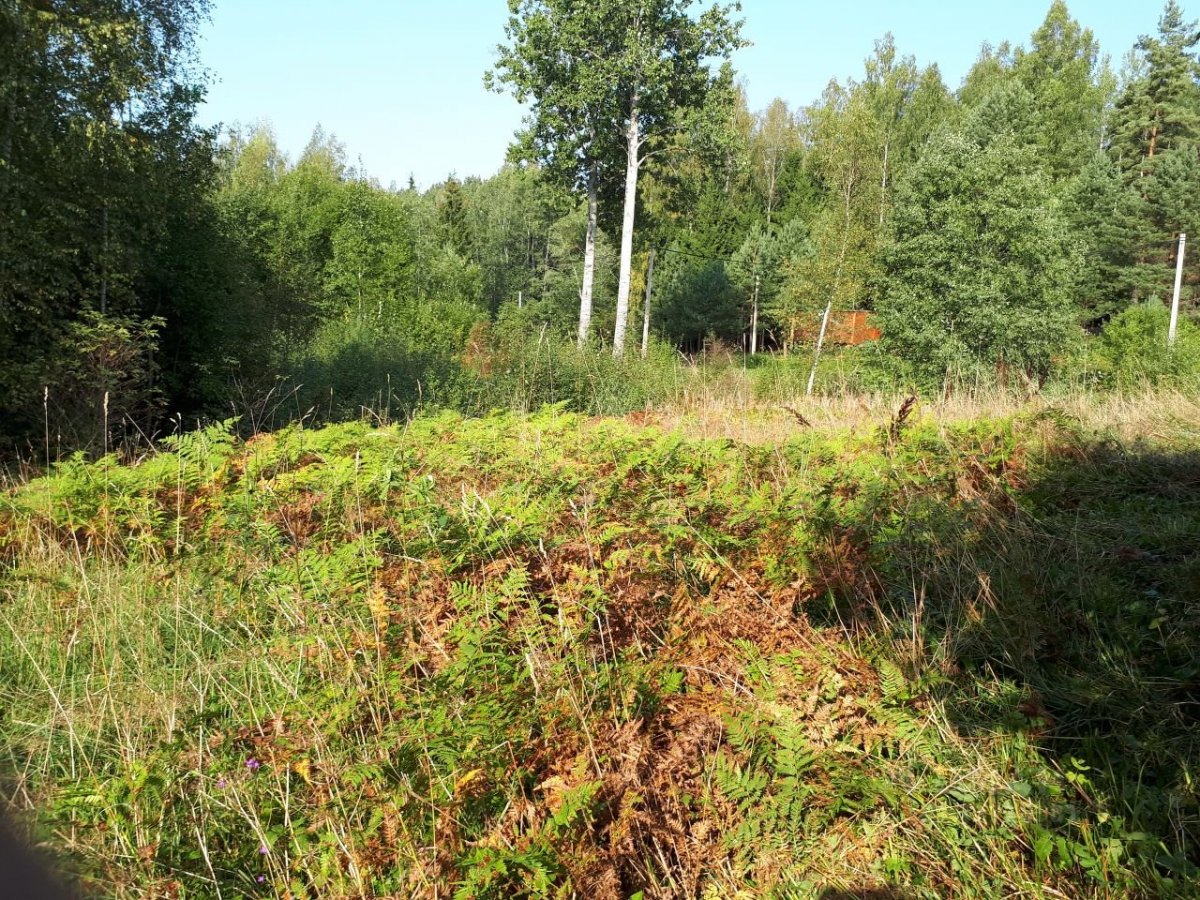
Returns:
(658, 62)
(553, 62)
(890, 84)
(845, 233)
(776, 134)
(608, 79)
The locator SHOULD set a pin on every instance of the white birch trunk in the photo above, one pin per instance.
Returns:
(633, 149)
(812, 375)
(837, 283)
(754, 327)
(589, 264)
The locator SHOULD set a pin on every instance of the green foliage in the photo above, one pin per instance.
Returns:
(1069, 85)
(277, 287)
(106, 385)
(513, 218)
(766, 260)
(1155, 128)
(1132, 350)
(1107, 214)
(696, 299)
(847, 155)
(1158, 108)
(101, 171)
(509, 656)
(611, 83)
(979, 283)
(371, 257)
(528, 365)
(349, 367)
(452, 217)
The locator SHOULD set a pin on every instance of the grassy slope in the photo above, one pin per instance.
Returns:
(550, 656)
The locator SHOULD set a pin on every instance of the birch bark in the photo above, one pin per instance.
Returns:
(633, 146)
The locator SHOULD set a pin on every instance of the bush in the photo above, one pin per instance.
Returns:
(442, 355)
(520, 365)
(105, 392)
(1133, 351)
(352, 366)
(781, 379)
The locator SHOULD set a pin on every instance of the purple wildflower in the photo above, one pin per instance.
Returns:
(222, 783)
(261, 878)
(253, 764)
(262, 848)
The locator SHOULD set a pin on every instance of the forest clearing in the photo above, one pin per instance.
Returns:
(711, 502)
(559, 656)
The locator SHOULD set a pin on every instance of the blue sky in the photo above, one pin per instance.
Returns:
(400, 81)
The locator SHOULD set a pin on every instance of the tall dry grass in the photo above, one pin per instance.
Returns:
(731, 411)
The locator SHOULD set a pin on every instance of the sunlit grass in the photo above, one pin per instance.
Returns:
(552, 656)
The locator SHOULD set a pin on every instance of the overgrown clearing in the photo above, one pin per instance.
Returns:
(556, 656)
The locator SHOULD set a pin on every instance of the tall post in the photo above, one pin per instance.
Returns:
(646, 305)
(754, 320)
(1178, 285)
(520, 299)
(812, 376)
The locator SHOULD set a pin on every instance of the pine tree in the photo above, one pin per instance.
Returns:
(980, 272)
(1159, 109)
(1155, 137)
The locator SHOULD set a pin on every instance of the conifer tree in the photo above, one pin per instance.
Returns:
(1155, 138)
(452, 217)
(1108, 216)
(982, 265)
(1159, 109)
(1069, 85)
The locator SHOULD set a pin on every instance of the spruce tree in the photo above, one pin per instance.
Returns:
(1108, 217)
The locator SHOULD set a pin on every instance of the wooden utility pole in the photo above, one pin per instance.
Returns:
(1178, 285)
(754, 320)
(646, 306)
(812, 376)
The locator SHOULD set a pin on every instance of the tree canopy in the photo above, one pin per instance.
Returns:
(152, 269)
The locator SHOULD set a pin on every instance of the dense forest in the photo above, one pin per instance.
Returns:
(1020, 226)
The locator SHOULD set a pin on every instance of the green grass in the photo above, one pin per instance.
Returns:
(547, 656)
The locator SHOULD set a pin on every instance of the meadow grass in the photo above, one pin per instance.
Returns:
(700, 652)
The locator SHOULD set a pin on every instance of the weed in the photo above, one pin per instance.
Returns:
(552, 656)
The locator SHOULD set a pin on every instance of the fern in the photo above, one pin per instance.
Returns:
(892, 682)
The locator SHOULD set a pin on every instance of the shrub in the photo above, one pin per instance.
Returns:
(525, 367)
(107, 391)
(1133, 349)
(352, 366)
